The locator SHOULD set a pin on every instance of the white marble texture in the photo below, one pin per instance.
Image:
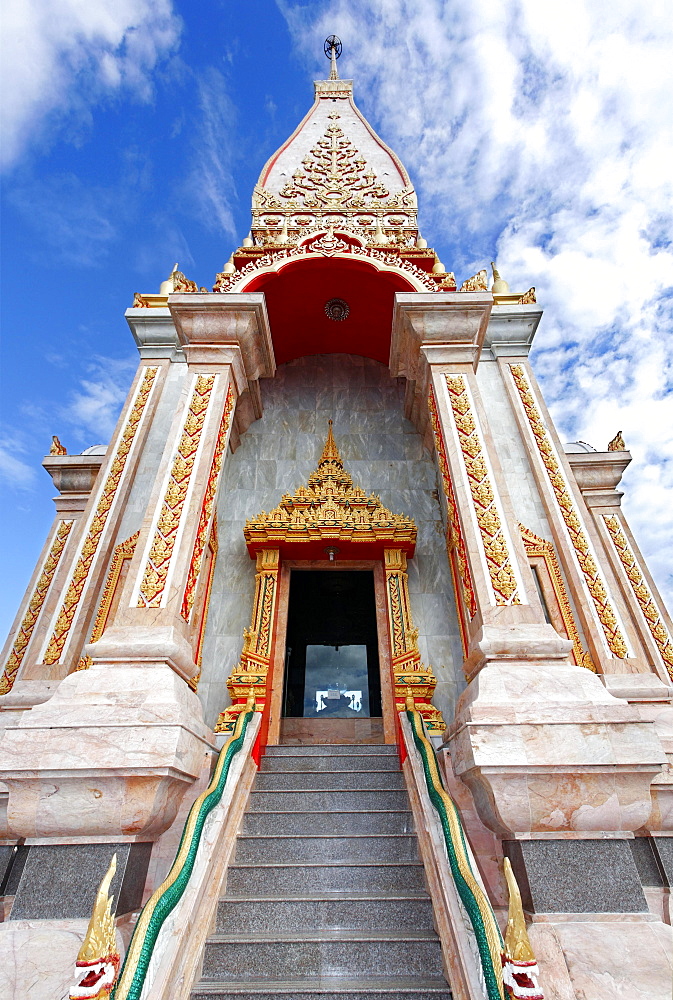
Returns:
(383, 453)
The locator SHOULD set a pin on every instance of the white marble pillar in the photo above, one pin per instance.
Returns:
(110, 755)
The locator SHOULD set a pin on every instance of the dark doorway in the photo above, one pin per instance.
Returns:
(332, 656)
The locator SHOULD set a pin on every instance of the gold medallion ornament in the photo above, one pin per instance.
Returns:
(573, 523)
(653, 617)
(455, 539)
(37, 599)
(98, 522)
(500, 567)
(206, 516)
(163, 543)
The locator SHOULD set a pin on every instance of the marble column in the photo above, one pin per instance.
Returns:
(111, 754)
(545, 749)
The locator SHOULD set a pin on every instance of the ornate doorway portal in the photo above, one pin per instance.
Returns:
(302, 603)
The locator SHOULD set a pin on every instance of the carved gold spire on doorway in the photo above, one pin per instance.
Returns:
(330, 508)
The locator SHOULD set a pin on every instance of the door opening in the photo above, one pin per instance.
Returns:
(332, 656)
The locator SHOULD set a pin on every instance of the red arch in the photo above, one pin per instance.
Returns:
(296, 297)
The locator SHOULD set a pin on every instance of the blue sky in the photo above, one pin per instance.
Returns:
(134, 133)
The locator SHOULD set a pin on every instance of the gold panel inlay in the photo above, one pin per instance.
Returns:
(122, 553)
(163, 543)
(92, 540)
(566, 505)
(35, 604)
(498, 560)
(540, 547)
(653, 616)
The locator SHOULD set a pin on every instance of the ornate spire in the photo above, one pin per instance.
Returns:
(330, 452)
(332, 50)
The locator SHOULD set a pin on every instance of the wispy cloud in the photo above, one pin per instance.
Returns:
(542, 134)
(93, 408)
(211, 179)
(59, 57)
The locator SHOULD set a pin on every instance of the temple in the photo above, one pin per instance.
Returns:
(339, 674)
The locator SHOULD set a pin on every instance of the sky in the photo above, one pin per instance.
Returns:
(537, 134)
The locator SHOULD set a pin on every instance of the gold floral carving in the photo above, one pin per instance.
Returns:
(207, 508)
(201, 631)
(543, 549)
(528, 298)
(653, 616)
(250, 675)
(35, 604)
(477, 283)
(500, 568)
(330, 508)
(335, 175)
(163, 543)
(91, 542)
(617, 443)
(56, 447)
(585, 557)
(409, 673)
(122, 553)
(455, 539)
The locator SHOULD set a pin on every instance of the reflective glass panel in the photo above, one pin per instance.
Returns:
(336, 683)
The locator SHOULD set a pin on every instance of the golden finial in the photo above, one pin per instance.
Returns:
(167, 287)
(517, 944)
(499, 286)
(409, 701)
(330, 452)
(617, 443)
(100, 939)
(56, 447)
(250, 703)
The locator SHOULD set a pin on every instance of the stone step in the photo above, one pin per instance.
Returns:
(366, 847)
(269, 824)
(332, 800)
(299, 879)
(331, 762)
(328, 988)
(351, 911)
(355, 780)
(312, 954)
(332, 749)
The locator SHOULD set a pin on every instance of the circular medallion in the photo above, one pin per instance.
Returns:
(337, 309)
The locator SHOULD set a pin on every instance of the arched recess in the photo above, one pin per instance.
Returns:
(330, 512)
(298, 290)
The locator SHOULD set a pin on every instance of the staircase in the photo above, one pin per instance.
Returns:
(325, 899)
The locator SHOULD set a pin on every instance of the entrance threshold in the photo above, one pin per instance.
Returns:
(297, 732)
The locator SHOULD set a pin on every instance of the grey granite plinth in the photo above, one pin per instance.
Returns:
(60, 881)
(12, 874)
(576, 876)
(663, 848)
(646, 861)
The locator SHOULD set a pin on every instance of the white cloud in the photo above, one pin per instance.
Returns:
(93, 409)
(543, 133)
(211, 178)
(63, 55)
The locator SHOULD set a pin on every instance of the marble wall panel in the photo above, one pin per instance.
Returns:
(382, 452)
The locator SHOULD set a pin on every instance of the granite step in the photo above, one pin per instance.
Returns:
(333, 779)
(330, 762)
(365, 847)
(329, 799)
(350, 911)
(269, 824)
(316, 953)
(331, 749)
(329, 988)
(299, 879)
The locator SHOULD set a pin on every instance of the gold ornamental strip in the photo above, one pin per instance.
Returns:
(122, 553)
(35, 604)
(455, 539)
(500, 566)
(571, 518)
(653, 617)
(202, 533)
(95, 532)
(159, 558)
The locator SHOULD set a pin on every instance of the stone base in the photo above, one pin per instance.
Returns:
(109, 756)
(60, 881)
(300, 731)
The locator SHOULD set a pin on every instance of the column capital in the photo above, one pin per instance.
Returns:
(216, 320)
(598, 473)
(444, 328)
(154, 333)
(510, 331)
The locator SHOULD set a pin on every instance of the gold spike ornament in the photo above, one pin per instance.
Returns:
(519, 968)
(97, 965)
